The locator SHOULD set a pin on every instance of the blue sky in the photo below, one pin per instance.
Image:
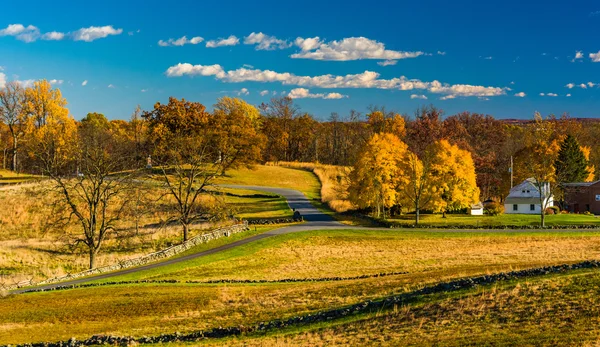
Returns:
(332, 56)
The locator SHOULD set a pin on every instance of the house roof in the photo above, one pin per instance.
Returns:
(580, 184)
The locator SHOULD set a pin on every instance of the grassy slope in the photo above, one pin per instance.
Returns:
(274, 176)
(152, 309)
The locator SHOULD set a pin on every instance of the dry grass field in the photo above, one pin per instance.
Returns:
(428, 257)
(33, 245)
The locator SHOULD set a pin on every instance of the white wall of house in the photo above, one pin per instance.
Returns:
(476, 212)
(522, 209)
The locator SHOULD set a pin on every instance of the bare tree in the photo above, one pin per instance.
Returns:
(87, 172)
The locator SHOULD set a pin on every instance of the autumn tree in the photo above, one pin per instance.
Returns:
(382, 121)
(454, 176)
(379, 170)
(184, 144)
(486, 139)
(540, 162)
(237, 136)
(425, 129)
(12, 100)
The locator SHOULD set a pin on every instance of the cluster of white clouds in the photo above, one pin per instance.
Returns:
(418, 96)
(32, 33)
(367, 79)
(521, 95)
(582, 85)
(181, 41)
(303, 93)
(594, 57)
(549, 94)
(352, 48)
(230, 41)
(265, 42)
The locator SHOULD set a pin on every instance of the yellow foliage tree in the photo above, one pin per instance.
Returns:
(454, 179)
(51, 131)
(591, 168)
(378, 172)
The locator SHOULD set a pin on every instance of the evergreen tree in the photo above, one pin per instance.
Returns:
(571, 164)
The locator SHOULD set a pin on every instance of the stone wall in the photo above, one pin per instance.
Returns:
(146, 259)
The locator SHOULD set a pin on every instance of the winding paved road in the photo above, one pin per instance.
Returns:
(314, 220)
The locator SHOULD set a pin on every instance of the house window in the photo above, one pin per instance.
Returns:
(523, 191)
(528, 192)
(515, 207)
(598, 197)
(532, 207)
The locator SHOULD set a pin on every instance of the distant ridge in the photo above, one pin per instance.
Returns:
(526, 121)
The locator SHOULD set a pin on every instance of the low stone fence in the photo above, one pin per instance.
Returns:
(267, 221)
(149, 258)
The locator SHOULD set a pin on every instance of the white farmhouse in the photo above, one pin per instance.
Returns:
(525, 198)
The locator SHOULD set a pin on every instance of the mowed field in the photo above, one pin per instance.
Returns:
(427, 257)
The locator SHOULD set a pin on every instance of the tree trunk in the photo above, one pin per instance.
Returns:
(186, 229)
(14, 153)
(543, 215)
(92, 258)
(417, 212)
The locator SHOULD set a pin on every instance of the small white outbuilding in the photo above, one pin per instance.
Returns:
(476, 209)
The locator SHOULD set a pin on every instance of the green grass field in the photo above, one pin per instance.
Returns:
(436, 220)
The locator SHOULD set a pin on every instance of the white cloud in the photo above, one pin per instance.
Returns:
(264, 92)
(591, 84)
(441, 53)
(354, 48)
(308, 44)
(542, 94)
(181, 41)
(57, 82)
(578, 55)
(303, 93)
(520, 94)
(111, 86)
(552, 94)
(367, 79)
(387, 62)
(23, 33)
(417, 96)
(230, 41)
(570, 85)
(583, 85)
(488, 58)
(144, 90)
(448, 97)
(93, 33)
(265, 42)
(595, 57)
(568, 95)
(248, 66)
(243, 91)
(53, 36)
(2, 80)
(195, 70)
(84, 83)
